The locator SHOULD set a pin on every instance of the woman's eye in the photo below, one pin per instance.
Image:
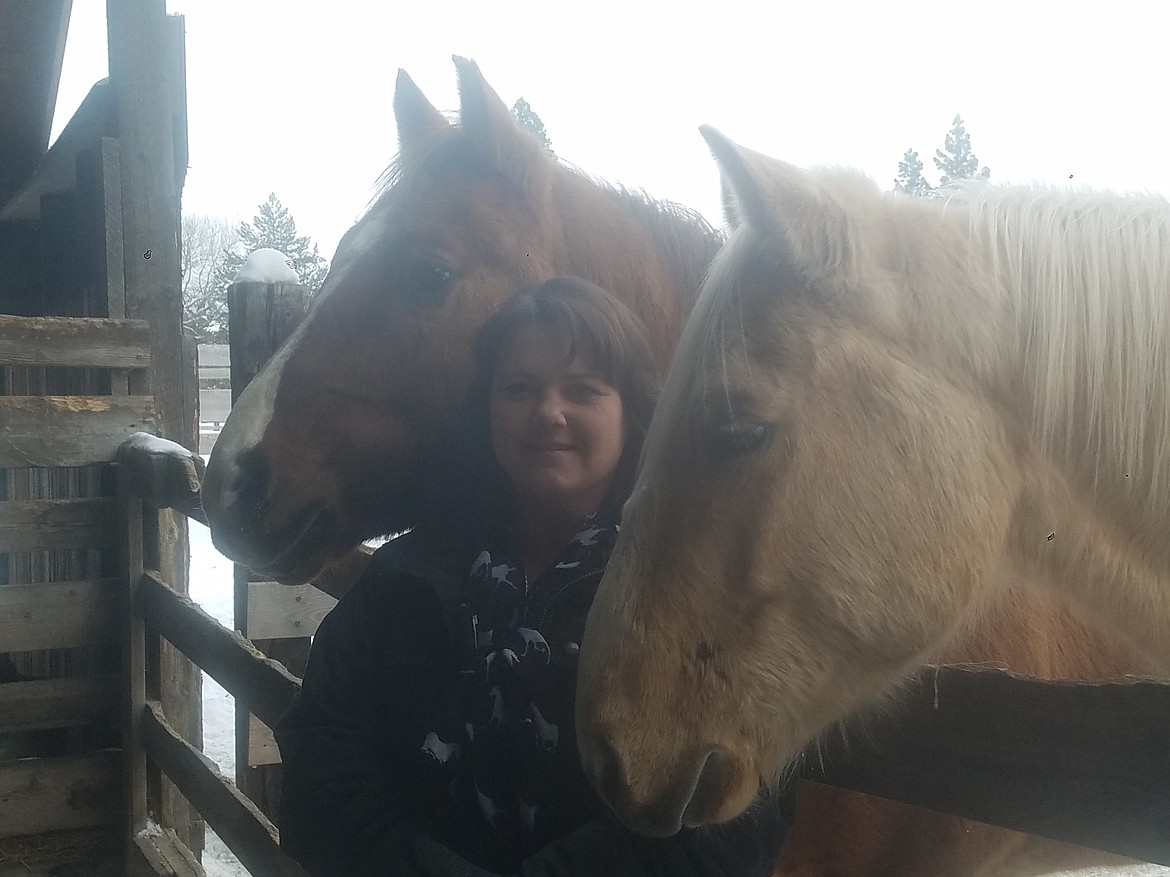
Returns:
(517, 390)
(583, 392)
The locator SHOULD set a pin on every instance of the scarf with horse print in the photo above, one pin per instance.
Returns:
(497, 738)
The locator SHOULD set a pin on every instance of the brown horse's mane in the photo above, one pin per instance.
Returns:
(685, 238)
(684, 235)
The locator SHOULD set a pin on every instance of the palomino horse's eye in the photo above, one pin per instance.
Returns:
(427, 282)
(737, 439)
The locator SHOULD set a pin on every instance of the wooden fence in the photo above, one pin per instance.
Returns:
(153, 474)
(60, 597)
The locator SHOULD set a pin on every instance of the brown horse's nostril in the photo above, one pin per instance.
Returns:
(250, 485)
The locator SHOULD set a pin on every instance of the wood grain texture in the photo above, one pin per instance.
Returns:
(51, 794)
(1082, 762)
(74, 341)
(69, 430)
(59, 615)
(46, 524)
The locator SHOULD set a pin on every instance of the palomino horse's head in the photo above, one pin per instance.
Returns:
(817, 507)
(340, 436)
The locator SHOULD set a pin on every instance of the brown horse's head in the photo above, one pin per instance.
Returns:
(817, 507)
(341, 437)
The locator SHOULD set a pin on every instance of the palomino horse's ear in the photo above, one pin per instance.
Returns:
(731, 216)
(784, 201)
(490, 126)
(418, 120)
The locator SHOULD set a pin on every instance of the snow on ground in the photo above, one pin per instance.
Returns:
(211, 588)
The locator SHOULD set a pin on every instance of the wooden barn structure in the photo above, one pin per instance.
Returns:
(100, 727)
(91, 350)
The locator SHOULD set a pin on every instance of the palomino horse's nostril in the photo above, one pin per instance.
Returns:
(710, 785)
(606, 773)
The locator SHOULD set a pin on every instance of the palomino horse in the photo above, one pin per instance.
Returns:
(883, 413)
(342, 436)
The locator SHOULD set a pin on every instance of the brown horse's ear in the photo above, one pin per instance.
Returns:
(491, 128)
(418, 120)
(782, 200)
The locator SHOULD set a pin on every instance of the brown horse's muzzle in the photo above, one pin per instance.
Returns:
(236, 497)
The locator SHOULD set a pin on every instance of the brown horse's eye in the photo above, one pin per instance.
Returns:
(737, 439)
(427, 282)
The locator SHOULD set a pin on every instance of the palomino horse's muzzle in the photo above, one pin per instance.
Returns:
(693, 797)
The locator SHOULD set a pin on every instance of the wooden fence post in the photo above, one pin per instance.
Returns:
(146, 79)
(260, 317)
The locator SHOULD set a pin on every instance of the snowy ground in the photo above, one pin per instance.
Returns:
(211, 588)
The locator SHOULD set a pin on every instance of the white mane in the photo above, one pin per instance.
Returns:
(1088, 274)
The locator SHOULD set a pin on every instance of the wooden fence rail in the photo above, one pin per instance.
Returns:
(1082, 762)
(230, 659)
(238, 822)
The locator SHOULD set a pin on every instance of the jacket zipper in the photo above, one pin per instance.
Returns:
(557, 593)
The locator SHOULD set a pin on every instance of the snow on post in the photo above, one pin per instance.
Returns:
(267, 265)
(265, 302)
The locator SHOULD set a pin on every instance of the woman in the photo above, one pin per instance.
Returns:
(434, 732)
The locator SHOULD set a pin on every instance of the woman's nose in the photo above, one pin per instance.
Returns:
(551, 409)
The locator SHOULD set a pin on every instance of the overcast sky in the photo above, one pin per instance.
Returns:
(294, 96)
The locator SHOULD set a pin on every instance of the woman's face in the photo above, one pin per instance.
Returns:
(556, 424)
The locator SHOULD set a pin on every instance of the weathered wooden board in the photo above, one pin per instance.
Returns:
(277, 611)
(59, 615)
(74, 341)
(158, 852)
(1082, 762)
(50, 794)
(238, 821)
(265, 685)
(47, 524)
(57, 170)
(262, 747)
(60, 703)
(69, 430)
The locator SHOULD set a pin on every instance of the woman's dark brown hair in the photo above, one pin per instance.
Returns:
(598, 327)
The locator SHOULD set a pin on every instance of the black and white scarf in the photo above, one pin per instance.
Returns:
(497, 738)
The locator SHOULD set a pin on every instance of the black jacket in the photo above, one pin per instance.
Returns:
(356, 795)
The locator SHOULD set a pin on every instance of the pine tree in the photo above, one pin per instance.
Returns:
(274, 227)
(955, 160)
(910, 179)
(529, 120)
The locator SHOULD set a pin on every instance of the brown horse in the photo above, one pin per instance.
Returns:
(339, 438)
(886, 417)
(342, 436)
